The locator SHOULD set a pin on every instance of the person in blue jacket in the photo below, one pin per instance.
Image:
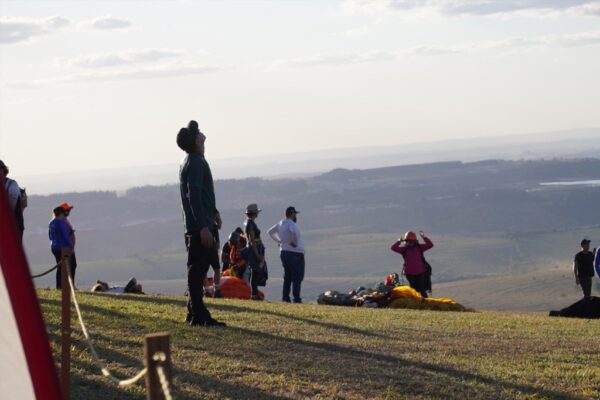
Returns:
(58, 233)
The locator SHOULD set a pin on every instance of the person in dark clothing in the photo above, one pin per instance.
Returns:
(583, 268)
(17, 198)
(58, 233)
(257, 263)
(201, 220)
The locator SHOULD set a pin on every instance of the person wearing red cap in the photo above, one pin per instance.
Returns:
(415, 266)
(73, 260)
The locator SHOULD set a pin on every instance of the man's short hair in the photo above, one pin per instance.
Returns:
(186, 140)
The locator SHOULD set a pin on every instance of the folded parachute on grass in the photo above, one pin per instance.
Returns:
(386, 296)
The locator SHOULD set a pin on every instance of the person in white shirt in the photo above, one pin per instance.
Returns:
(16, 197)
(287, 235)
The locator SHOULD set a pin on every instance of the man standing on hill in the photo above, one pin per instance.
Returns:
(287, 235)
(201, 220)
(583, 267)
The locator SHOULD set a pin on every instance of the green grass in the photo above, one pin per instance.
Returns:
(278, 351)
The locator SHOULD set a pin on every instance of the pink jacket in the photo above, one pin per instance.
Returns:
(413, 262)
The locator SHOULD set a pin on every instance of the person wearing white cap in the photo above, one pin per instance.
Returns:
(287, 235)
(256, 262)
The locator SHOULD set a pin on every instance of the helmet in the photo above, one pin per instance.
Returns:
(410, 236)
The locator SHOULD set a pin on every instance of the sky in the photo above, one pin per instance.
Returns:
(92, 85)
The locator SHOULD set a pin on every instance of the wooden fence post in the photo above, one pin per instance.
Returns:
(65, 361)
(156, 342)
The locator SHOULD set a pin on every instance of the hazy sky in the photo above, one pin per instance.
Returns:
(88, 85)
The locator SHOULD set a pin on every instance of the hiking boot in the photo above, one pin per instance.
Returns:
(297, 301)
(257, 297)
(287, 300)
(215, 323)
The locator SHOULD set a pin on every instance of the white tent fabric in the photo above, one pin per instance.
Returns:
(15, 381)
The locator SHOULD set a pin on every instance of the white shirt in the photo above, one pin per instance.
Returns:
(13, 191)
(285, 233)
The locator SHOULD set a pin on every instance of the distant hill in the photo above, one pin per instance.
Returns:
(486, 218)
(568, 144)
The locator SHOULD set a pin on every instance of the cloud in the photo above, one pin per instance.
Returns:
(580, 39)
(122, 58)
(341, 59)
(452, 8)
(167, 71)
(106, 23)
(17, 30)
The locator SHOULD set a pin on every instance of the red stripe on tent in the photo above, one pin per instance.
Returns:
(26, 308)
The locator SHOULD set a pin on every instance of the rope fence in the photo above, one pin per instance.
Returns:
(46, 272)
(105, 371)
(157, 358)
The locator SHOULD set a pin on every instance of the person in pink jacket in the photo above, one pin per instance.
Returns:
(415, 267)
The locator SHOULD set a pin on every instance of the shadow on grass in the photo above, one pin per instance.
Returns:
(328, 325)
(349, 366)
(236, 390)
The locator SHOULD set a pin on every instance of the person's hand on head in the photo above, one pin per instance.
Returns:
(422, 234)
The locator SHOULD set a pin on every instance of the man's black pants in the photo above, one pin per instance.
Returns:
(199, 260)
(418, 283)
(586, 286)
(72, 265)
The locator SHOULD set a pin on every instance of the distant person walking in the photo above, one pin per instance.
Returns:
(415, 266)
(17, 197)
(58, 233)
(583, 268)
(256, 262)
(291, 244)
(72, 259)
(201, 220)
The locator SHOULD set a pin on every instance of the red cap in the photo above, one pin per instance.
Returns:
(66, 206)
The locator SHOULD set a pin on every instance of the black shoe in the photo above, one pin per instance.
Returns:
(214, 322)
(299, 301)
(287, 300)
(257, 297)
(197, 322)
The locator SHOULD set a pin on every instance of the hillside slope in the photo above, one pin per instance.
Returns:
(276, 351)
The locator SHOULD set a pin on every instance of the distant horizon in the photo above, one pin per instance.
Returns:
(521, 136)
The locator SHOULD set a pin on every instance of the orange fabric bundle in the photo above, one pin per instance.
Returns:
(236, 288)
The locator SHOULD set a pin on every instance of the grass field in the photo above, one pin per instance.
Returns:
(278, 351)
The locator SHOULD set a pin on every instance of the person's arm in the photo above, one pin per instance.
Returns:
(575, 271)
(195, 184)
(597, 262)
(398, 248)
(274, 233)
(66, 237)
(294, 235)
(13, 192)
